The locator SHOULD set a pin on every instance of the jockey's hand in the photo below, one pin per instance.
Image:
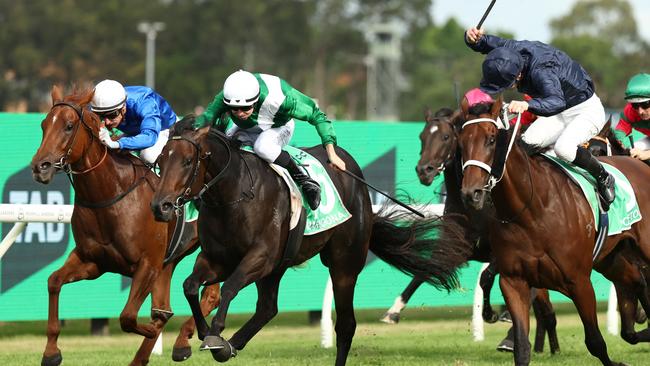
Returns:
(105, 138)
(334, 158)
(517, 106)
(640, 154)
(474, 35)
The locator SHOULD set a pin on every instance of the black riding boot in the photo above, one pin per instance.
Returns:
(309, 187)
(605, 181)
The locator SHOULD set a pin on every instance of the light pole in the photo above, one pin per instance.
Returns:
(150, 30)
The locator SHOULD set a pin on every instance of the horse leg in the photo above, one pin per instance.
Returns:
(546, 321)
(209, 301)
(627, 302)
(160, 314)
(392, 315)
(486, 282)
(143, 280)
(74, 269)
(202, 273)
(255, 265)
(584, 298)
(517, 295)
(265, 309)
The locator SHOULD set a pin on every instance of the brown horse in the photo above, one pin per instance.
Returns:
(438, 154)
(543, 234)
(244, 228)
(113, 227)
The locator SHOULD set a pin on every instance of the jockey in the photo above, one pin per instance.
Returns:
(570, 112)
(262, 109)
(636, 114)
(139, 112)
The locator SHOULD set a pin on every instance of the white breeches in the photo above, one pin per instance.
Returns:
(151, 153)
(268, 143)
(568, 129)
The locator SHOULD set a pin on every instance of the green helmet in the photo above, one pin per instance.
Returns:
(638, 88)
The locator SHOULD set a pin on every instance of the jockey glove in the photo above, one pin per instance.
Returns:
(105, 138)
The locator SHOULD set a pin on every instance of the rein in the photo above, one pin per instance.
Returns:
(492, 179)
(187, 196)
(66, 167)
(63, 164)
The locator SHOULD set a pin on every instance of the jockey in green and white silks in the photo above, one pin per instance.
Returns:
(261, 109)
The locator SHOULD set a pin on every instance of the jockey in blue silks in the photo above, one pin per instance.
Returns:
(563, 96)
(139, 112)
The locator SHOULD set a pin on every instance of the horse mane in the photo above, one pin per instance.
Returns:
(80, 96)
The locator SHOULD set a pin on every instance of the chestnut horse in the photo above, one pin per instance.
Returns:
(543, 234)
(113, 227)
(244, 226)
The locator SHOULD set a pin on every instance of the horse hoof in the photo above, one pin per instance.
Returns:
(181, 354)
(505, 317)
(54, 360)
(212, 343)
(390, 318)
(506, 345)
(224, 354)
(491, 317)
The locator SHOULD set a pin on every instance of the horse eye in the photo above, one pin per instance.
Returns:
(69, 126)
(187, 162)
(492, 140)
(445, 137)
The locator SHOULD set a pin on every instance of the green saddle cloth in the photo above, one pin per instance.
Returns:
(623, 212)
(331, 211)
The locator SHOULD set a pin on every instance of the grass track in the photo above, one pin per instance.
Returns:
(424, 337)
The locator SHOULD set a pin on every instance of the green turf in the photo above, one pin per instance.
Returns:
(425, 336)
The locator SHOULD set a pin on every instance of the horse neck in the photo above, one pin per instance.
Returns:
(108, 178)
(232, 177)
(512, 195)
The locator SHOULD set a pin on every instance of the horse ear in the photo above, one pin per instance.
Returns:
(496, 106)
(87, 97)
(428, 114)
(57, 94)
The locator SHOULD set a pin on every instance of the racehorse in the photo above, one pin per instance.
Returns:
(544, 233)
(438, 154)
(244, 226)
(606, 143)
(113, 230)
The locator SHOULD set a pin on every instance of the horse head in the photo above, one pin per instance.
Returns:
(482, 132)
(65, 145)
(438, 144)
(182, 174)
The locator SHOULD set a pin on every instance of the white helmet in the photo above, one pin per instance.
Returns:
(109, 96)
(241, 89)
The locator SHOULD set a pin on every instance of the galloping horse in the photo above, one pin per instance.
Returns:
(244, 225)
(544, 232)
(113, 227)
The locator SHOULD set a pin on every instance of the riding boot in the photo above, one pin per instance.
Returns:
(604, 180)
(309, 187)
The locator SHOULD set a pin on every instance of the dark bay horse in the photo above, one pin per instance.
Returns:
(439, 153)
(543, 234)
(244, 225)
(114, 229)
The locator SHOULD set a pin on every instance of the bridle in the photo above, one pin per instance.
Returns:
(453, 143)
(63, 164)
(187, 195)
(493, 179)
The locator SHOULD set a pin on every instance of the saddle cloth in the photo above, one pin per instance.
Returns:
(331, 211)
(623, 212)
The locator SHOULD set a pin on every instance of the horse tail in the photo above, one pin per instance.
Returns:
(431, 248)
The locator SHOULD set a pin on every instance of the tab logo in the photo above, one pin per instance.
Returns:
(41, 243)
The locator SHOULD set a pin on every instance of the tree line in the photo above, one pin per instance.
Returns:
(319, 46)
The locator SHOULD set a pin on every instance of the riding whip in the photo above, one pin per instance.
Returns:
(384, 194)
(480, 23)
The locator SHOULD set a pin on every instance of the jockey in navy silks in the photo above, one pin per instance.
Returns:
(563, 96)
(142, 115)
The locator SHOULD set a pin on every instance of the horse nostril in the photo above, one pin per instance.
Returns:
(429, 169)
(45, 165)
(476, 196)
